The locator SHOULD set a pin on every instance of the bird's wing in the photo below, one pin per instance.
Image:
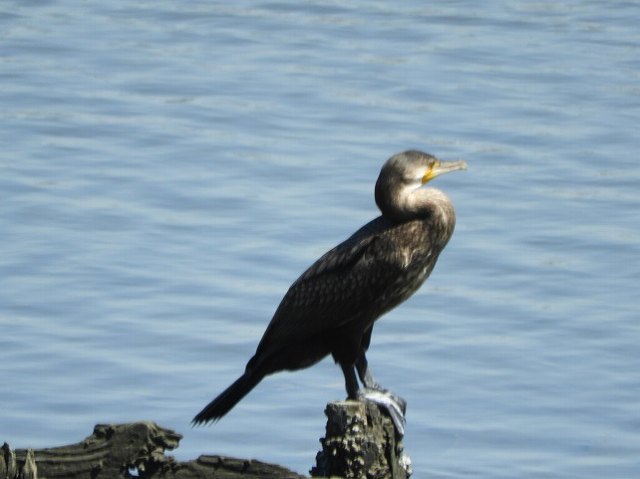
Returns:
(337, 288)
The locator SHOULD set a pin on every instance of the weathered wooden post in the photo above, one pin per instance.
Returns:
(361, 442)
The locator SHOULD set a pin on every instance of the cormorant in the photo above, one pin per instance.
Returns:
(332, 306)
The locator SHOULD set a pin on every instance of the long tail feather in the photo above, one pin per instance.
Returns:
(228, 398)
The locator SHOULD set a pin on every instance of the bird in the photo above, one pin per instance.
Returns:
(332, 307)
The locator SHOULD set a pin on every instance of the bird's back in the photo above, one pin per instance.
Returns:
(368, 274)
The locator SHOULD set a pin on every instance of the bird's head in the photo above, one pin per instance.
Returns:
(405, 172)
(416, 168)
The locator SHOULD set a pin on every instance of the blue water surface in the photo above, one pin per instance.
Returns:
(167, 169)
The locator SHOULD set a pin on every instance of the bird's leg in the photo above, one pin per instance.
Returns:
(362, 366)
(395, 405)
(350, 381)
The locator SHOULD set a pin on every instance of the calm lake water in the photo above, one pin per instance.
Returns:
(167, 169)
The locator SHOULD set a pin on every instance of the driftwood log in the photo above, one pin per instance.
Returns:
(360, 442)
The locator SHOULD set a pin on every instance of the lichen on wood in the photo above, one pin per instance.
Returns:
(360, 443)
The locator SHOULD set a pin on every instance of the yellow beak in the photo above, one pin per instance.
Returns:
(442, 167)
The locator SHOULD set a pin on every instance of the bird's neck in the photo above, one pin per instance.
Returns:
(420, 203)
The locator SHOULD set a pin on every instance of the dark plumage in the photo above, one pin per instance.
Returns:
(331, 307)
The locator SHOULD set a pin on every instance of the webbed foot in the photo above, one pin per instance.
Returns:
(394, 405)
